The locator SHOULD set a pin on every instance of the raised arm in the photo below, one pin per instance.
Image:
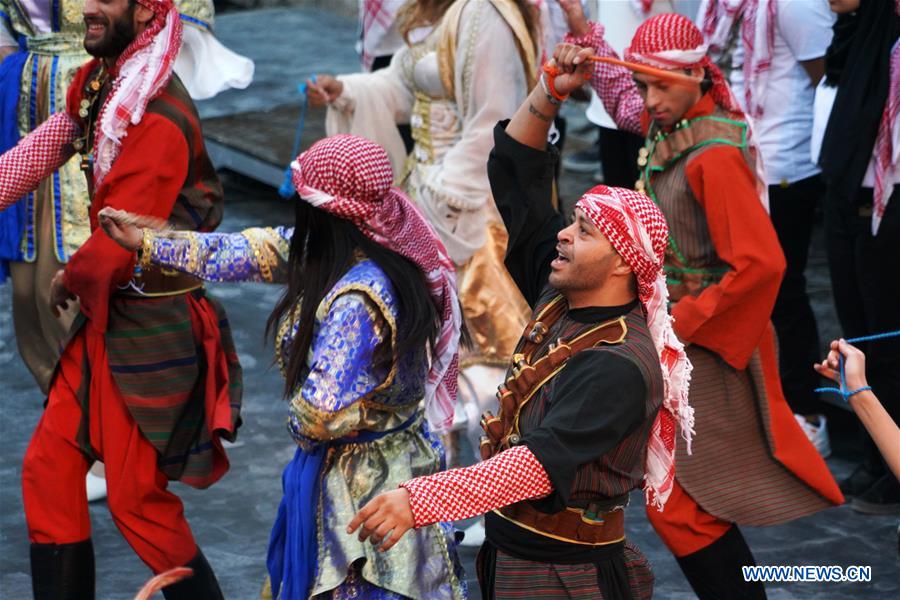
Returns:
(613, 84)
(521, 171)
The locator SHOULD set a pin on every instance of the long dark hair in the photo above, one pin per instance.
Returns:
(323, 249)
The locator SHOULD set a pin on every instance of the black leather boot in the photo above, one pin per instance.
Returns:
(201, 586)
(63, 571)
(715, 571)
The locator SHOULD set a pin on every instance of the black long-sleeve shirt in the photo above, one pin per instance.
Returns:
(598, 399)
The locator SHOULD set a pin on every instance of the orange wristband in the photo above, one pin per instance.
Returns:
(551, 72)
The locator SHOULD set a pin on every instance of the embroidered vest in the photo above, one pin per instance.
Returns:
(691, 261)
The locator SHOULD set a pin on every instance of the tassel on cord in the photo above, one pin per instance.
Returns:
(287, 186)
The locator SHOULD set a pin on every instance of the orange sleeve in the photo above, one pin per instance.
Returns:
(145, 179)
(730, 317)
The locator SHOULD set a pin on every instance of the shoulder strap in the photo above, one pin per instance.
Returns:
(528, 376)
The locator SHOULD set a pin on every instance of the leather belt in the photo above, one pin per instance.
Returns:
(571, 525)
(155, 281)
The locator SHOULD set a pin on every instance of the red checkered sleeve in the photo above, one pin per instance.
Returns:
(613, 84)
(511, 476)
(36, 157)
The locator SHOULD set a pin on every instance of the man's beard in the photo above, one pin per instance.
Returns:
(116, 40)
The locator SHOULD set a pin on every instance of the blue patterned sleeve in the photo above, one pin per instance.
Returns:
(255, 254)
(327, 405)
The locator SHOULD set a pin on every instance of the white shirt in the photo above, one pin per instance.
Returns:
(802, 32)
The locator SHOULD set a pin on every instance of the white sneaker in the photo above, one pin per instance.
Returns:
(96, 487)
(816, 432)
(474, 535)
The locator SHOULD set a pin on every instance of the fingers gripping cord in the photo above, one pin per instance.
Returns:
(842, 390)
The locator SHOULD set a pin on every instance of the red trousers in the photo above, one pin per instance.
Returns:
(683, 526)
(149, 516)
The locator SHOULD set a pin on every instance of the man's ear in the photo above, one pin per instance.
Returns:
(142, 15)
(622, 268)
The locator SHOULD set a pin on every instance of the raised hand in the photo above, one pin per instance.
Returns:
(325, 89)
(575, 19)
(573, 65)
(854, 365)
(384, 519)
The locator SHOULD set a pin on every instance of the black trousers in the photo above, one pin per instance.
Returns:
(865, 278)
(792, 209)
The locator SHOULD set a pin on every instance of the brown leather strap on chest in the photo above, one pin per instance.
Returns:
(529, 372)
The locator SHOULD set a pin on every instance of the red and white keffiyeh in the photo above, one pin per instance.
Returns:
(350, 177)
(141, 73)
(887, 142)
(637, 229)
(717, 17)
(376, 18)
(672, 41)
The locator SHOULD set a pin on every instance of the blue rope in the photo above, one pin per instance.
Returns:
(842, 390)
(287, 186)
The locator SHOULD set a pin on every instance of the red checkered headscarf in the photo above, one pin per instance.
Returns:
(142, 72)
(672, 41)
(758, 23)
(637, 229)
(350, 177)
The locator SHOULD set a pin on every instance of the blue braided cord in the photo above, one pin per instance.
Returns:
(842, 390)
(877, 336)
(287, 186)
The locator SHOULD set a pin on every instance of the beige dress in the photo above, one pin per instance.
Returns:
(452, 86)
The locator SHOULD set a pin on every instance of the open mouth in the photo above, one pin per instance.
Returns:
(560, 261)
(94, 29)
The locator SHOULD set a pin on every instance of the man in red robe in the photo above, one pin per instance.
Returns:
(148, 381)
(751, 463)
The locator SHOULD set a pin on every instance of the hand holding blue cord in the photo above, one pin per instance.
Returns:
(846, 365)
(287, 186)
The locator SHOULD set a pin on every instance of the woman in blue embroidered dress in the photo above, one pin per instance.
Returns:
(377, 336)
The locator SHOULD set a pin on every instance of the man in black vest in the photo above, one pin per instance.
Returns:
(580, 424)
